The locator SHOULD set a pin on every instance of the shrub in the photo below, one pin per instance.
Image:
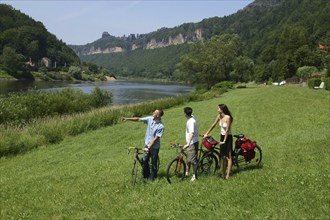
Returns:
(99, 97)
(20, 108)
(224, 85)
(327, 83)
(314, 82)
(306, 71)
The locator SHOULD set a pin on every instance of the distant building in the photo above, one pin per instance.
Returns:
(46, 62)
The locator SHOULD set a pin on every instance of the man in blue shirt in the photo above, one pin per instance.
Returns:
(154, 132)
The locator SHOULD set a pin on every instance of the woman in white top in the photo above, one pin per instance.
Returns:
(225, 120)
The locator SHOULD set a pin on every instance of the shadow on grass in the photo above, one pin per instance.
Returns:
(246, 168)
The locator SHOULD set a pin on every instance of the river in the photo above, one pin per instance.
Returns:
(123, 91)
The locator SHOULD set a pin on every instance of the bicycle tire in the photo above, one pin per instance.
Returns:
(217, 154)
(258, 156)
(135, 172)
(207, 165)
(243, 161)
(175, 171)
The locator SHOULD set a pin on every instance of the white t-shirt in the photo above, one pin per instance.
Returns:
(192, 127)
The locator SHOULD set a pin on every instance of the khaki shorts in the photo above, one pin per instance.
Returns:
(192, 153)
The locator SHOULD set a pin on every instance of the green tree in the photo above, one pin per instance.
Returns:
(306, 71)
(75, 72)
(11, 61)
(291, 39)
(211, 61)
(244, 68)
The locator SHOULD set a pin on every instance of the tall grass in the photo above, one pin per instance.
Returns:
(16, 139)
(21, 108)
(87, 176)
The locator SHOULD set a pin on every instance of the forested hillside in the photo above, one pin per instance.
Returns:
(278, 35)
(156, 63)
(24, 42)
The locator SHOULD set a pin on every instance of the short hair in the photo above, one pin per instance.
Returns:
(188, 111)
(161, 112)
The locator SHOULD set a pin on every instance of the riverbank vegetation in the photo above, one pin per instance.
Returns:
(42, 118)
(88, 176)
(21, 108)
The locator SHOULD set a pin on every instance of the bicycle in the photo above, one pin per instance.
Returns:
(176, 169)
(138, 160)
(246, 152)
(208, 162)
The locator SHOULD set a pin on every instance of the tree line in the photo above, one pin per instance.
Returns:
(272, 42)
(28, 50)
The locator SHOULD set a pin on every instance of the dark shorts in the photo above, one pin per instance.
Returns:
(226, 148)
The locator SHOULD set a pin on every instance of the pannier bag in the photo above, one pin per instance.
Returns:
(246, 144)
(209, 142)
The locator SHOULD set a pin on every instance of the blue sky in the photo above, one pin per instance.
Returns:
(81, 22)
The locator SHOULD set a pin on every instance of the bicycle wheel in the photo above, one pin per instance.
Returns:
(135, 172)
(249, 160)
(256, 161)
(175, 170)
(217, 154)
(207, 165)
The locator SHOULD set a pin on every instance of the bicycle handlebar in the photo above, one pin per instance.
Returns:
(135, 148)
(202, 135)
(235, 135)
(176, 145)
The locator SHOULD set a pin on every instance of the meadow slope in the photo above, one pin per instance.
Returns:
(88, 176)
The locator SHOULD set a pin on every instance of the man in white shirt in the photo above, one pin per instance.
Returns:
(192, 141)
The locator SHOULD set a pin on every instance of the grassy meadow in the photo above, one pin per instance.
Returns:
(88, 176)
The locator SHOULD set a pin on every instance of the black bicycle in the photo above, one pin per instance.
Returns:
(138, 163)
(209, 157)
(247, 153)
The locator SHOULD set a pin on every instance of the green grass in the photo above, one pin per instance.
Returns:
(88, 176)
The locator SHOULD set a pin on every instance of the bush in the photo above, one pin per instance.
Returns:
(99, 97)
(306, 71)
(314, 82)
(327, 83)
(224, 85)
(20, 108)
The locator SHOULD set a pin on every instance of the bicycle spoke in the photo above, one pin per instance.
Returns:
(175, 170)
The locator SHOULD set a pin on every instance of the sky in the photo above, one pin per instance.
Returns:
(79, 22)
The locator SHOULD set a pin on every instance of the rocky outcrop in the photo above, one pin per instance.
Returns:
(151, 44)
(179, 39)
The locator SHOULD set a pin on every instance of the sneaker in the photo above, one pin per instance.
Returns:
(193, 178)
(187, 174)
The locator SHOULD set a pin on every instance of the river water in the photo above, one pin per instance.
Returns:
(123, 91)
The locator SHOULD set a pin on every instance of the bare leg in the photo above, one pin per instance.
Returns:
(187, 169)
(224, 167)
(230, 164)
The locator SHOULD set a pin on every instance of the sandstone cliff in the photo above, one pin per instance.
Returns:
(133, 43)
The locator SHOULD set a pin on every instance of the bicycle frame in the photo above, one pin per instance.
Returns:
(176, 169)
(248, 158)
(135, 168)
(180, 157)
